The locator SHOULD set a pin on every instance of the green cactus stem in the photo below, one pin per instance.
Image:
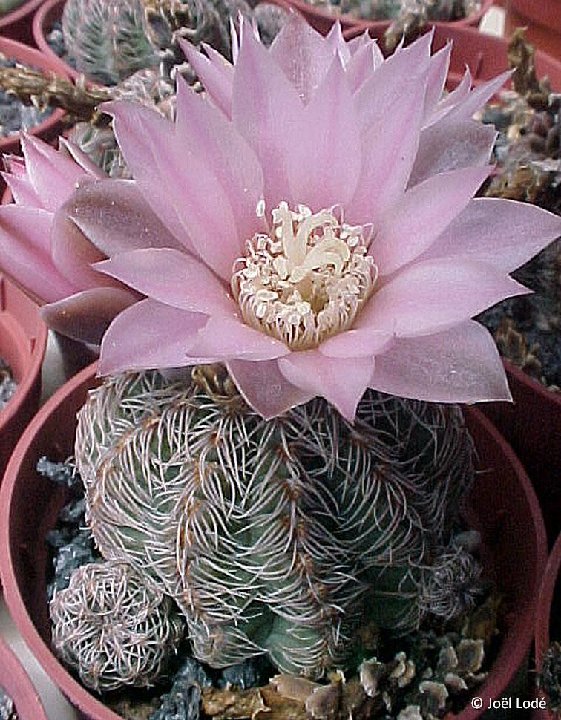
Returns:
(106, 39)
(280, 536)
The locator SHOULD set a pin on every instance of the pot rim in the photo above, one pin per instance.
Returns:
(15, 681)
(37, 346)
(348, 21)
(519, 635)
(545, 395)
(545, 13)
(26, 8)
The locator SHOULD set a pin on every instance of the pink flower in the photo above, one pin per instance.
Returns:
(43, 249)
(328, 241)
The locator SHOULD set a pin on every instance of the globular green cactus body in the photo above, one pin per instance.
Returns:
(277, 536)
(107, 39)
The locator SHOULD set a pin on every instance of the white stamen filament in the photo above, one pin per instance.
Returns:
(307, 280)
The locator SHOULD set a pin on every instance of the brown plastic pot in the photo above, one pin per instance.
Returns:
(502, 506)
(46, 15)
(547, 629)
(53, 125)
(17, 23)
(23, 339)
(485, 55)
(542, 18)
(15, 682)
(532, 425)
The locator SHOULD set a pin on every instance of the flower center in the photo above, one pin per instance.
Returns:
(307, 279)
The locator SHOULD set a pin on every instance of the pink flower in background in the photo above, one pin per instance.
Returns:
(44, 251)
(326, 236)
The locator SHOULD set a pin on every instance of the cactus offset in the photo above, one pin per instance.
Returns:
(276, 536)
(114, 627)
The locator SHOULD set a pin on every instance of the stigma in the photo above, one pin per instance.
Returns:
(307, 279)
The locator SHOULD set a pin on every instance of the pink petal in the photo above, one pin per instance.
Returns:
(81, 158)
(324, 171)
(116, 218)
(86, 315)
(502, 233)
(303, 55)
(22, 190)
(52, 174)
(204, 131)
(178, 184)
(73, 254)
(438, 71)
(424, 212)
(461, 364)
(447, 145)
(390, 110)
(24, 251)
(362, 64)
(358, 42)
(265, 388)
(361, 342)
(148, 335)
(432, 295)
(216, 80)
(173, 278)
(340, 381)
(339, 46)
(466, 109)
(226, 338)
(133, 125)
(266, 110)
(457, 96)
(15, 165)
(394, 80)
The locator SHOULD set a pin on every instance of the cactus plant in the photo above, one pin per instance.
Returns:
(310, 228)
(109, 40)
(106, 39)
(276, 536)
(114, 627)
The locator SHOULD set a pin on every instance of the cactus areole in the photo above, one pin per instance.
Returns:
(276, 445)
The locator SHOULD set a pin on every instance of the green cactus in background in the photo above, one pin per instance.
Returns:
(279, 536)
(109, 40)
(409, 13)
(106, 39)
(6, 6)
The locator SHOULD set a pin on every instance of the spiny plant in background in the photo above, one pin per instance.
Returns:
(529, 156)
(413, 15)
(549, 678)
(109, 40)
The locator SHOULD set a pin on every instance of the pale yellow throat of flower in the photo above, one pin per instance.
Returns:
(307, 279)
